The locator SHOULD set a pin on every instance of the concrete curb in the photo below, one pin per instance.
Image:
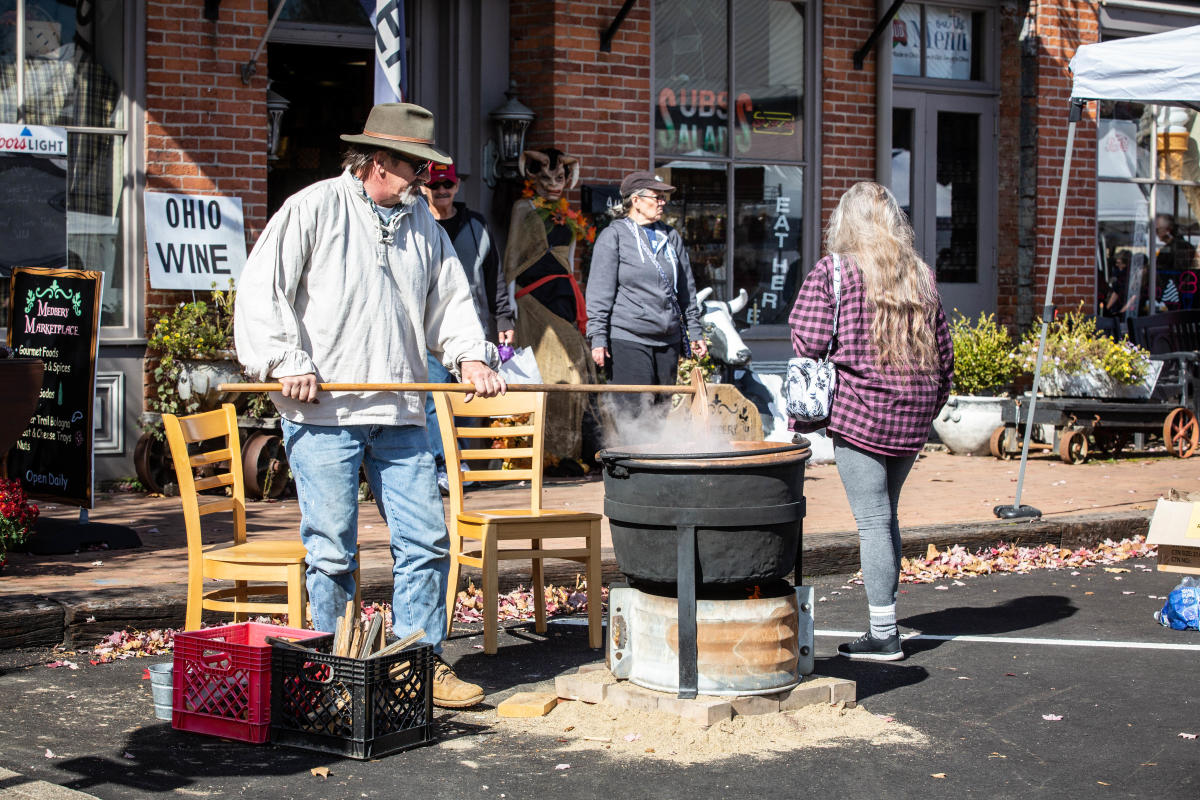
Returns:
(83, 618)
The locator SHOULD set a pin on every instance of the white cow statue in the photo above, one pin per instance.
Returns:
(725, 343)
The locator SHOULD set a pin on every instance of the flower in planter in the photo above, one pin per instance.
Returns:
(199, 330)
(17, 516)
(1076, 349)
(983, 362)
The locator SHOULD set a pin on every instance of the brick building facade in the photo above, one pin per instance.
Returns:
(192, 125)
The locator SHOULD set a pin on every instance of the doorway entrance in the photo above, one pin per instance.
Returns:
(944, 176)
(329, 91)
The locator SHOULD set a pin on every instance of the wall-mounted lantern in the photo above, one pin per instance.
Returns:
(512, 120)
(276, 105)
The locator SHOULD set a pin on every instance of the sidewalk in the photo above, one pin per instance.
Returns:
(82, 597)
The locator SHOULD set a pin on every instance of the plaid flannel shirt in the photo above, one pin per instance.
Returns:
(885, 411)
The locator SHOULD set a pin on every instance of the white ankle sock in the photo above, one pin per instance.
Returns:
(883, 621)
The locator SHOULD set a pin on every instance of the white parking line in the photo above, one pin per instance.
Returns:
(1023, 640)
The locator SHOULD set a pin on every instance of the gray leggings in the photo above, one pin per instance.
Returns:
(872, 482)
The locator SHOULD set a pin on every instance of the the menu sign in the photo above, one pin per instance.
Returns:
(54, 315)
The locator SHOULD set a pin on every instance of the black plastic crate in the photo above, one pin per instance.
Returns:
(356, 707)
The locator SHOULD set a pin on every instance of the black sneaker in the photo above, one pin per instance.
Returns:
(868, 648)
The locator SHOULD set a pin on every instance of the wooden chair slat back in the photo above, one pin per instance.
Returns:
(451, 407)
(220, 424)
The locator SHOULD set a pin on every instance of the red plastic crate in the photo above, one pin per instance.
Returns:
(222, 679)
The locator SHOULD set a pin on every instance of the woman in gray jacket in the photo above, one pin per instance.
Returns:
(641, 296)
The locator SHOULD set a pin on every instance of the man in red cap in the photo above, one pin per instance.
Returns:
(476, 249)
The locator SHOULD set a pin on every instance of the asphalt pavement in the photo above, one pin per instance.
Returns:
(1052, 684)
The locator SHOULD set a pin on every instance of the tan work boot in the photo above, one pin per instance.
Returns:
(451, 692)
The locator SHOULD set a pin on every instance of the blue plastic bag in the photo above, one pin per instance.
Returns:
(1181, 612)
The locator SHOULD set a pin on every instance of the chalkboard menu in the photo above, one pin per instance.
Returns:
(54, 315)
(33, 212)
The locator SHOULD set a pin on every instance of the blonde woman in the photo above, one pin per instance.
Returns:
(894, 364)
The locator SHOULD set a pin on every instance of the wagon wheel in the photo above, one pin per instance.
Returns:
(152, 461)
(264, 465)
(1073, 446)
(1002, 443)
(1110, 442)
(1181, 432)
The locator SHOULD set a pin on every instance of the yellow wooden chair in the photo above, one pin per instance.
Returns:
(279, 562)
(523, 529)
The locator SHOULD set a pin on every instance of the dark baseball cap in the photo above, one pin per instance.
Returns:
(638, 181)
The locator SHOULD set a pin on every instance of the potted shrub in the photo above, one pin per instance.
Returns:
(194, 344)
(1081, 361)
(17, 516)
(983, 370)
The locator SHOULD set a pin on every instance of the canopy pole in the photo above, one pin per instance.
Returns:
(1016, 509)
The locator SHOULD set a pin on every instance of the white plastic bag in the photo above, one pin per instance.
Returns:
(521, 368)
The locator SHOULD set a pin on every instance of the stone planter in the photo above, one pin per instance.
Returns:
(966, 422)
(1097, 384)
(199, 378)
(20, 385)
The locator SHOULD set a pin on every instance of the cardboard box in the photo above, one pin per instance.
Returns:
(1175, 528)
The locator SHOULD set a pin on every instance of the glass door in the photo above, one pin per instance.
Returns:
(944, 175)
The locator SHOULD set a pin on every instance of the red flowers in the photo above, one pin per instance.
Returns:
(17, 515)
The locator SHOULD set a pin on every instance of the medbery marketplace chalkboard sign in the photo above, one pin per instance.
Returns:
(54, 315)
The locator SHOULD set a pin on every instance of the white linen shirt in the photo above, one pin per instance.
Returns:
(329, 288)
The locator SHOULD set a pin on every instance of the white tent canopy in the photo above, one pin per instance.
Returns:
(1162, 68)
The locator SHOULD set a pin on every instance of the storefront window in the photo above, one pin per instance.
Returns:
(699, 211)
(73, 76)
(739, 161)
(935, 41)
(768, 205)
(769, 74)
(691, 83)
(1147, 195)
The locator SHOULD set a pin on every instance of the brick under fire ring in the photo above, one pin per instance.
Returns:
(593, 683)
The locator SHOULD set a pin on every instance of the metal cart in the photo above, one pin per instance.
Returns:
(1083, 425)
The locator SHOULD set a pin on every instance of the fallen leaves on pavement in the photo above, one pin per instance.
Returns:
(120, 645)
(958, 562)
(518, 604)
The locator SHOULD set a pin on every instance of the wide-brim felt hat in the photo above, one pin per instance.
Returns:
(404, 127)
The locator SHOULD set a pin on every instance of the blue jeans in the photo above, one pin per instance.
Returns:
(437, 374)
(325, 461)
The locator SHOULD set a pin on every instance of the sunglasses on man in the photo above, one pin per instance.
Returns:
(441, 185)
(420, 166)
